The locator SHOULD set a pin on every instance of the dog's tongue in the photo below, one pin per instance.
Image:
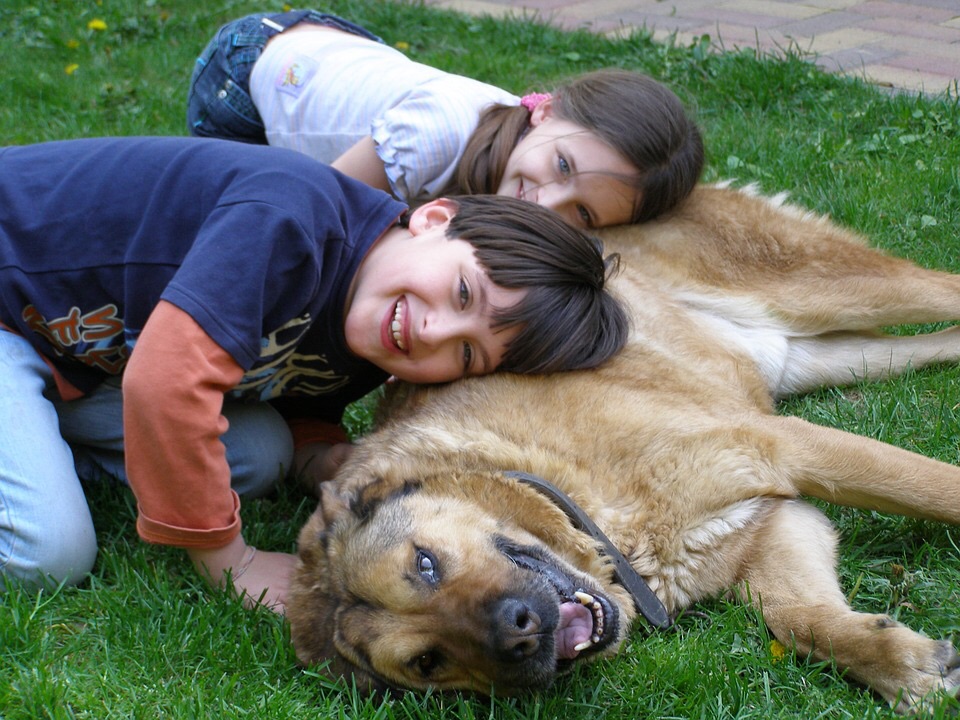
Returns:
(575, 627)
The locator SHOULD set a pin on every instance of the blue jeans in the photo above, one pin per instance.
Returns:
(47, 446)
(218, 102)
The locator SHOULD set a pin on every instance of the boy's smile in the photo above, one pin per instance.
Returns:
(397, 329)
(421, 305)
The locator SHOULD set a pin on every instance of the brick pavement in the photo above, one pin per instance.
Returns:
(911, 45)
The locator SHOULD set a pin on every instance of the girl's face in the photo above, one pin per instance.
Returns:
(421, 305)
(568, 169)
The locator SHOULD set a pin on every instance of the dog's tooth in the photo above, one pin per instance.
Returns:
(584, 599)
(584, 645)
(595, 639)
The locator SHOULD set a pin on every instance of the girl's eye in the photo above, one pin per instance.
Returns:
(467, 357)
(464, 293)
(564, 165)
(584, 216)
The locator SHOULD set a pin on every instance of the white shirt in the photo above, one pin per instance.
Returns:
(321, 92)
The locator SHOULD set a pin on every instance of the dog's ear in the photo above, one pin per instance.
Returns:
(334, 502)
(312, 635)
(315, 599)
(341, 497)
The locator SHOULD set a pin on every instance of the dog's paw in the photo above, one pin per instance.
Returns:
(940, 678)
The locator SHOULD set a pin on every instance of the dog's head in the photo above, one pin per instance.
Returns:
(466, 582)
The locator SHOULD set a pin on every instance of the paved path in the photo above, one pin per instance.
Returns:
(911, 45)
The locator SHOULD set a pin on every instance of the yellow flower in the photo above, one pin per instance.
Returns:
(96, 24)
(402, 45)
(777, 650)
(71, 68)
(73, 44)
(287, 8)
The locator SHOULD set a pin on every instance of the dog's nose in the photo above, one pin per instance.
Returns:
(518, 629)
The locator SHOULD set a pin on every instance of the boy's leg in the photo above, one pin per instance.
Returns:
(45, 524)
(258, 442)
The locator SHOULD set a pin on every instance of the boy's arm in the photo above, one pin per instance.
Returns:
(361, 162)
(176, 463)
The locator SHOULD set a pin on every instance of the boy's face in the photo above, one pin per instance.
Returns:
(421, 305)
(567, 168)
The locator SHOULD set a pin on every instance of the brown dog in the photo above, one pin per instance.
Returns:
(427, 565)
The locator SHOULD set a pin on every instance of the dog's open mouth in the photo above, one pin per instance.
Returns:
(588, 620)
(582, 625)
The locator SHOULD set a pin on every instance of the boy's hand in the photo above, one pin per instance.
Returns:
(319, 462)
(260, 577)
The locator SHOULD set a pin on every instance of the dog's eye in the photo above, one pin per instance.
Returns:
(427, 663)
(427, 567)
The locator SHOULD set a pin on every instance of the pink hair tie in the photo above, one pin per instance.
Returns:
(533, 99)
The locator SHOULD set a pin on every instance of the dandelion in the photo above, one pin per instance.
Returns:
(777, 650)
(71, 68)
(402, 45)
(96, 24)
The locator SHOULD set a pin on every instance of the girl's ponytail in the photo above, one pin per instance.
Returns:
(485, 158)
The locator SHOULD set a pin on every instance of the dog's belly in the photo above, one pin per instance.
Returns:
(743, 326)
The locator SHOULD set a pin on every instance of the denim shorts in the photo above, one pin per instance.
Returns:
(218, 102)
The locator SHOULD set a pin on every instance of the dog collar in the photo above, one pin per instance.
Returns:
(644, 599)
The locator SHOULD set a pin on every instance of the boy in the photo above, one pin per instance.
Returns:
(162, 299)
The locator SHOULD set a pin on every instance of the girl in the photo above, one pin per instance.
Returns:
(609, 147)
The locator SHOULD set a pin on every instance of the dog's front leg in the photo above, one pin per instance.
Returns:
(791, 576)
(848, 469)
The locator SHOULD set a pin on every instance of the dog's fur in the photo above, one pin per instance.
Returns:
(426, 566)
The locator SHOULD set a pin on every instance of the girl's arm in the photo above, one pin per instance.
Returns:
(361, 162)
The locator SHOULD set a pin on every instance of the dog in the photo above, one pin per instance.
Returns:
(431, 563)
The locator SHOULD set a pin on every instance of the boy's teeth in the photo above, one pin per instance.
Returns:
(397, 326)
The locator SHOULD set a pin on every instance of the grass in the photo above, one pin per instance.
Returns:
(144, 638)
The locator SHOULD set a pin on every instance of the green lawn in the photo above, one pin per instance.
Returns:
(144, 638)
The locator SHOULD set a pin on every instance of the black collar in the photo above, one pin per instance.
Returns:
(644, 599)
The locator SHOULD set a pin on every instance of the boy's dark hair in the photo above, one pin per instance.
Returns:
(567, 320)
(634, 114)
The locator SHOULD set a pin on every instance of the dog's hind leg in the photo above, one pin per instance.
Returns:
(846, 358)
(865, 291)
(848, 469)
(792, 577)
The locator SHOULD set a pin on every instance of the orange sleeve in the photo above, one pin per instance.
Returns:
(173, 389)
